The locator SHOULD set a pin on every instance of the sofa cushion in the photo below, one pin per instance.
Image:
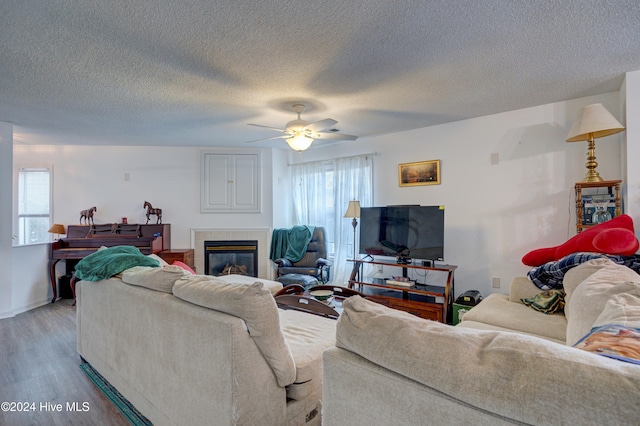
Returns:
(496, 309)
(619, 324)
(272, 286)
(621, 309)
(577, 275)
(522, 288)
(498, 372)
(589, 298)
(159, 279)
(482, 326)
(255, 305)
(308, 336)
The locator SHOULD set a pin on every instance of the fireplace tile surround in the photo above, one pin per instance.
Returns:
(262, 235)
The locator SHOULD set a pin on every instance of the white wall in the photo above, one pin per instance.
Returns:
(494, 213)
(6, 190)
(167, 177)
(631, 115)
(32, 287)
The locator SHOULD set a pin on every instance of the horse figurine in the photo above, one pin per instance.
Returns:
(151, 210)
(87, 215)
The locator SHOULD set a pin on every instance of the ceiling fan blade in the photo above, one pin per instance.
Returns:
(268, 139)
(267, 127)
(320, 125)
(335, 136)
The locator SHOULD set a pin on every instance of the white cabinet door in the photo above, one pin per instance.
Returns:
(245, 183)
(230, 183)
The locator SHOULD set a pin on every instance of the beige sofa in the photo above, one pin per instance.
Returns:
(191, 349)
(504, 364)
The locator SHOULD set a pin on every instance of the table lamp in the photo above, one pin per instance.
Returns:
(353, 211)
(57, 229)
(594, 121)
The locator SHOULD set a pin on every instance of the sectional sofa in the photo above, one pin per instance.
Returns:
(504, 364)
(196, 350)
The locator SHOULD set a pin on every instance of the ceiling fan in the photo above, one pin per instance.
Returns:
(300, 134)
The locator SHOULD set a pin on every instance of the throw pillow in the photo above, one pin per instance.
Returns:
(158, 279)
(160, 260)
(590, 297)
(613, 341)
(183, 266)
(547, 302)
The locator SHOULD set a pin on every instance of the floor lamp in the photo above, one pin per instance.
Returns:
(353, 211)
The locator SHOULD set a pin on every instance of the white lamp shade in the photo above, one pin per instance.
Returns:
(299, 142)
(353, 210)
(593, 121)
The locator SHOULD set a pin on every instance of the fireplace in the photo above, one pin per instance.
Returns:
(231, 257)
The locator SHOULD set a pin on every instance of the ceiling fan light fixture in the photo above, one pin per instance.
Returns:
(299, 141)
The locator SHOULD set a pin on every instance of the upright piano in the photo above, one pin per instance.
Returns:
(82, 240)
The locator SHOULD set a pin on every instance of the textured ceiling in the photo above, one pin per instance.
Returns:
(195, 72)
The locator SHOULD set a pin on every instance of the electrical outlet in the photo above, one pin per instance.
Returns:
(495, 282)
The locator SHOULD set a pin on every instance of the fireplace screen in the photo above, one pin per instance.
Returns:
(231, 257)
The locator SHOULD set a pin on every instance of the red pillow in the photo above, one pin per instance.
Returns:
(183, 266)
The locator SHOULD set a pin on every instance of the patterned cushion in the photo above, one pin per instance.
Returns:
(547, 302)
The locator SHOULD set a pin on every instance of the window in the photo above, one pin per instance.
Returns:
(321, 193)
(34, 205)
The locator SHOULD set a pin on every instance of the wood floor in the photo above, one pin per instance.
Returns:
(39, 364)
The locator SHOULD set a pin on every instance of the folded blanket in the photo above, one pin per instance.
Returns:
(110, 261)
(550, 275)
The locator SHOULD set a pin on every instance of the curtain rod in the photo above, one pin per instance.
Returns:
(373, 154)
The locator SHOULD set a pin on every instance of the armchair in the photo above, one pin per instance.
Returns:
(313, 262)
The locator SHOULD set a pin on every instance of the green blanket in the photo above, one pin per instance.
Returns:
(110, 261)
(291, 243)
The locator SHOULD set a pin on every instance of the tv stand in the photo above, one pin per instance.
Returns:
(405, 298)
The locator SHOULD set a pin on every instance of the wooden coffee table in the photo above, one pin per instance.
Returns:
(295, 297)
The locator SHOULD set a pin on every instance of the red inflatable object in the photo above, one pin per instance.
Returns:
(615, 236)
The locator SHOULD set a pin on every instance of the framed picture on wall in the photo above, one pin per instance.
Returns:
(419, 173)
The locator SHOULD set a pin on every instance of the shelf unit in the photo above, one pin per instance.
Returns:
(404, 298)
(611, 185)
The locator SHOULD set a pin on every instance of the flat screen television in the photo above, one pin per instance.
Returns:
(404, 232)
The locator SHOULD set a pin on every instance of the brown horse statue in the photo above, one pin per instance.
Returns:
(87, 215)
(151, 210)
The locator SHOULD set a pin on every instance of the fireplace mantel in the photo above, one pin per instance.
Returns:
(262, 235)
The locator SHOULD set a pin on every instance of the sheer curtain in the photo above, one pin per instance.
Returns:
(321, 192)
